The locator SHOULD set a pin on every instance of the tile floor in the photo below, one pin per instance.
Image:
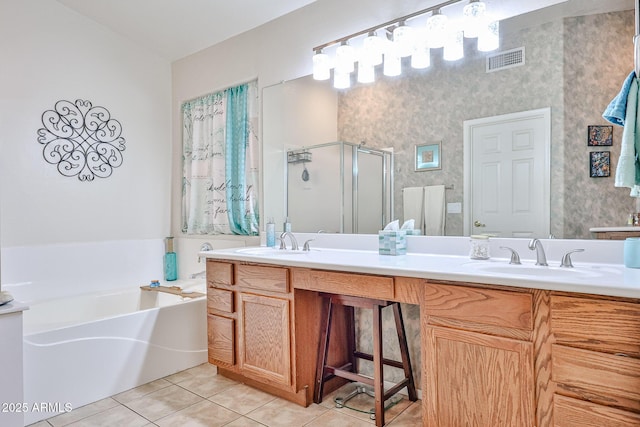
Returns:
(200, 397)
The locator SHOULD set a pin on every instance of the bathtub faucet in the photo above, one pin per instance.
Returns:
(200, 275)
(206, 246)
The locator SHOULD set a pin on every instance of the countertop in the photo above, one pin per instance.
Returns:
(585, 277)
(621, 228)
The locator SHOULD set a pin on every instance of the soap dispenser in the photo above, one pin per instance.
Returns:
(271, 233)
(170, 261)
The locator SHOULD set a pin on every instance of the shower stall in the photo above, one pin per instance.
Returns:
(339, 187)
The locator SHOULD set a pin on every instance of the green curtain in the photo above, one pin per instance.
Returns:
(237, 130)
(220, 168)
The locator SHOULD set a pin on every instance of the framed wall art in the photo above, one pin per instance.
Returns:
(428, 157)
(599, 136)
(599, 164)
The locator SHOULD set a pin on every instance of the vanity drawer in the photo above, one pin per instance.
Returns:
(479, 306)
(274, 279)
(363, 285)
(596, 324)
(219, 299)
(574, 412)
(599, 377)
(219, 273)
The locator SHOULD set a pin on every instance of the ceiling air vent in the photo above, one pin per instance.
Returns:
(507, 59)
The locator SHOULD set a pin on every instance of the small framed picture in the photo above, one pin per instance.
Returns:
(428, 157)
(599, 162)
(600, 135)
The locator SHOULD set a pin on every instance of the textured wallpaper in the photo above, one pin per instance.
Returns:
(575, 66)
(598, 52)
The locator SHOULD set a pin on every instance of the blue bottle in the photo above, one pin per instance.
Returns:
(170, 261)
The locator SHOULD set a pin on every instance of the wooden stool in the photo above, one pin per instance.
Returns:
(348, 371)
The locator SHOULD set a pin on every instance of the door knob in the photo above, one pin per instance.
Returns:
(477, 223)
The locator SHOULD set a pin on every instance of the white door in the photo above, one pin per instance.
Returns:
(507, 182)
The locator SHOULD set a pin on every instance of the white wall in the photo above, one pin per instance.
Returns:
(50, 53)
(296, 113)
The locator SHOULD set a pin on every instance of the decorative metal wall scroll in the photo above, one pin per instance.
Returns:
(81, 140)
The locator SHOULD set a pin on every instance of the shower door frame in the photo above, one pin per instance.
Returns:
(387, 180)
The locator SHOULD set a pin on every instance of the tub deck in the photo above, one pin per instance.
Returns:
(175, 290)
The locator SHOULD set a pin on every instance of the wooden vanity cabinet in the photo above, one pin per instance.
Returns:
(221, 314)
(478, 357)
(491, 355)
(250, 315)
(595, 361)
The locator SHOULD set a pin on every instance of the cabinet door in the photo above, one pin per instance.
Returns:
(477, 380)
(221, 340)
(265, 343)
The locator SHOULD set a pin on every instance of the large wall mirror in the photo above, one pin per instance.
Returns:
(576, 56)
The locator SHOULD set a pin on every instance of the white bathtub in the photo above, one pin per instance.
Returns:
(84, 348)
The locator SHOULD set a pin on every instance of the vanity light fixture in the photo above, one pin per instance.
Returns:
(321, 66)
(392, 63)
(345, 58)
(489, 37)
(403, 39)
(341, 80)
(373, 48)
(366, 72)
(437, 29)
(474, 18)
(406, 38)
(453, 47)
(421, 57)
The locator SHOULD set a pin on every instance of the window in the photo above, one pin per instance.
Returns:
(220, 162)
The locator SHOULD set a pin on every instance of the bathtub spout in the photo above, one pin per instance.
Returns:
(200, 275)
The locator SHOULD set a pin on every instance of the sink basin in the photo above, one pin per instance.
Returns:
(525, 270)
(266, 251)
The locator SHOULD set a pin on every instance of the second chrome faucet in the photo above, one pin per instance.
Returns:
(536, 245)
(294, 242)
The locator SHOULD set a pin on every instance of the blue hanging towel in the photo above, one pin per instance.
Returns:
(616, 110)
(628, 170)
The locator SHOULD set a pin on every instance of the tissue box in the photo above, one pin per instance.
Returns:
(392, 242)
(414, 232)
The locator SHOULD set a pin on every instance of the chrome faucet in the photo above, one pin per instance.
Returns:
(199, 275)
(206, 246)
(294, 242)
(536, 245)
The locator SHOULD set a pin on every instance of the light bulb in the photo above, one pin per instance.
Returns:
(341, 80)
(437, 29)
(421, 57)
(454, 47)
(366, 73)
(321, 69)
(392, 63)
(404, 39)
(345, 57)
(489, 37)
(473, 14)
(372, 49)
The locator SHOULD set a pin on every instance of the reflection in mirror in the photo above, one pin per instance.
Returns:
(339, 187)
(575, 62)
